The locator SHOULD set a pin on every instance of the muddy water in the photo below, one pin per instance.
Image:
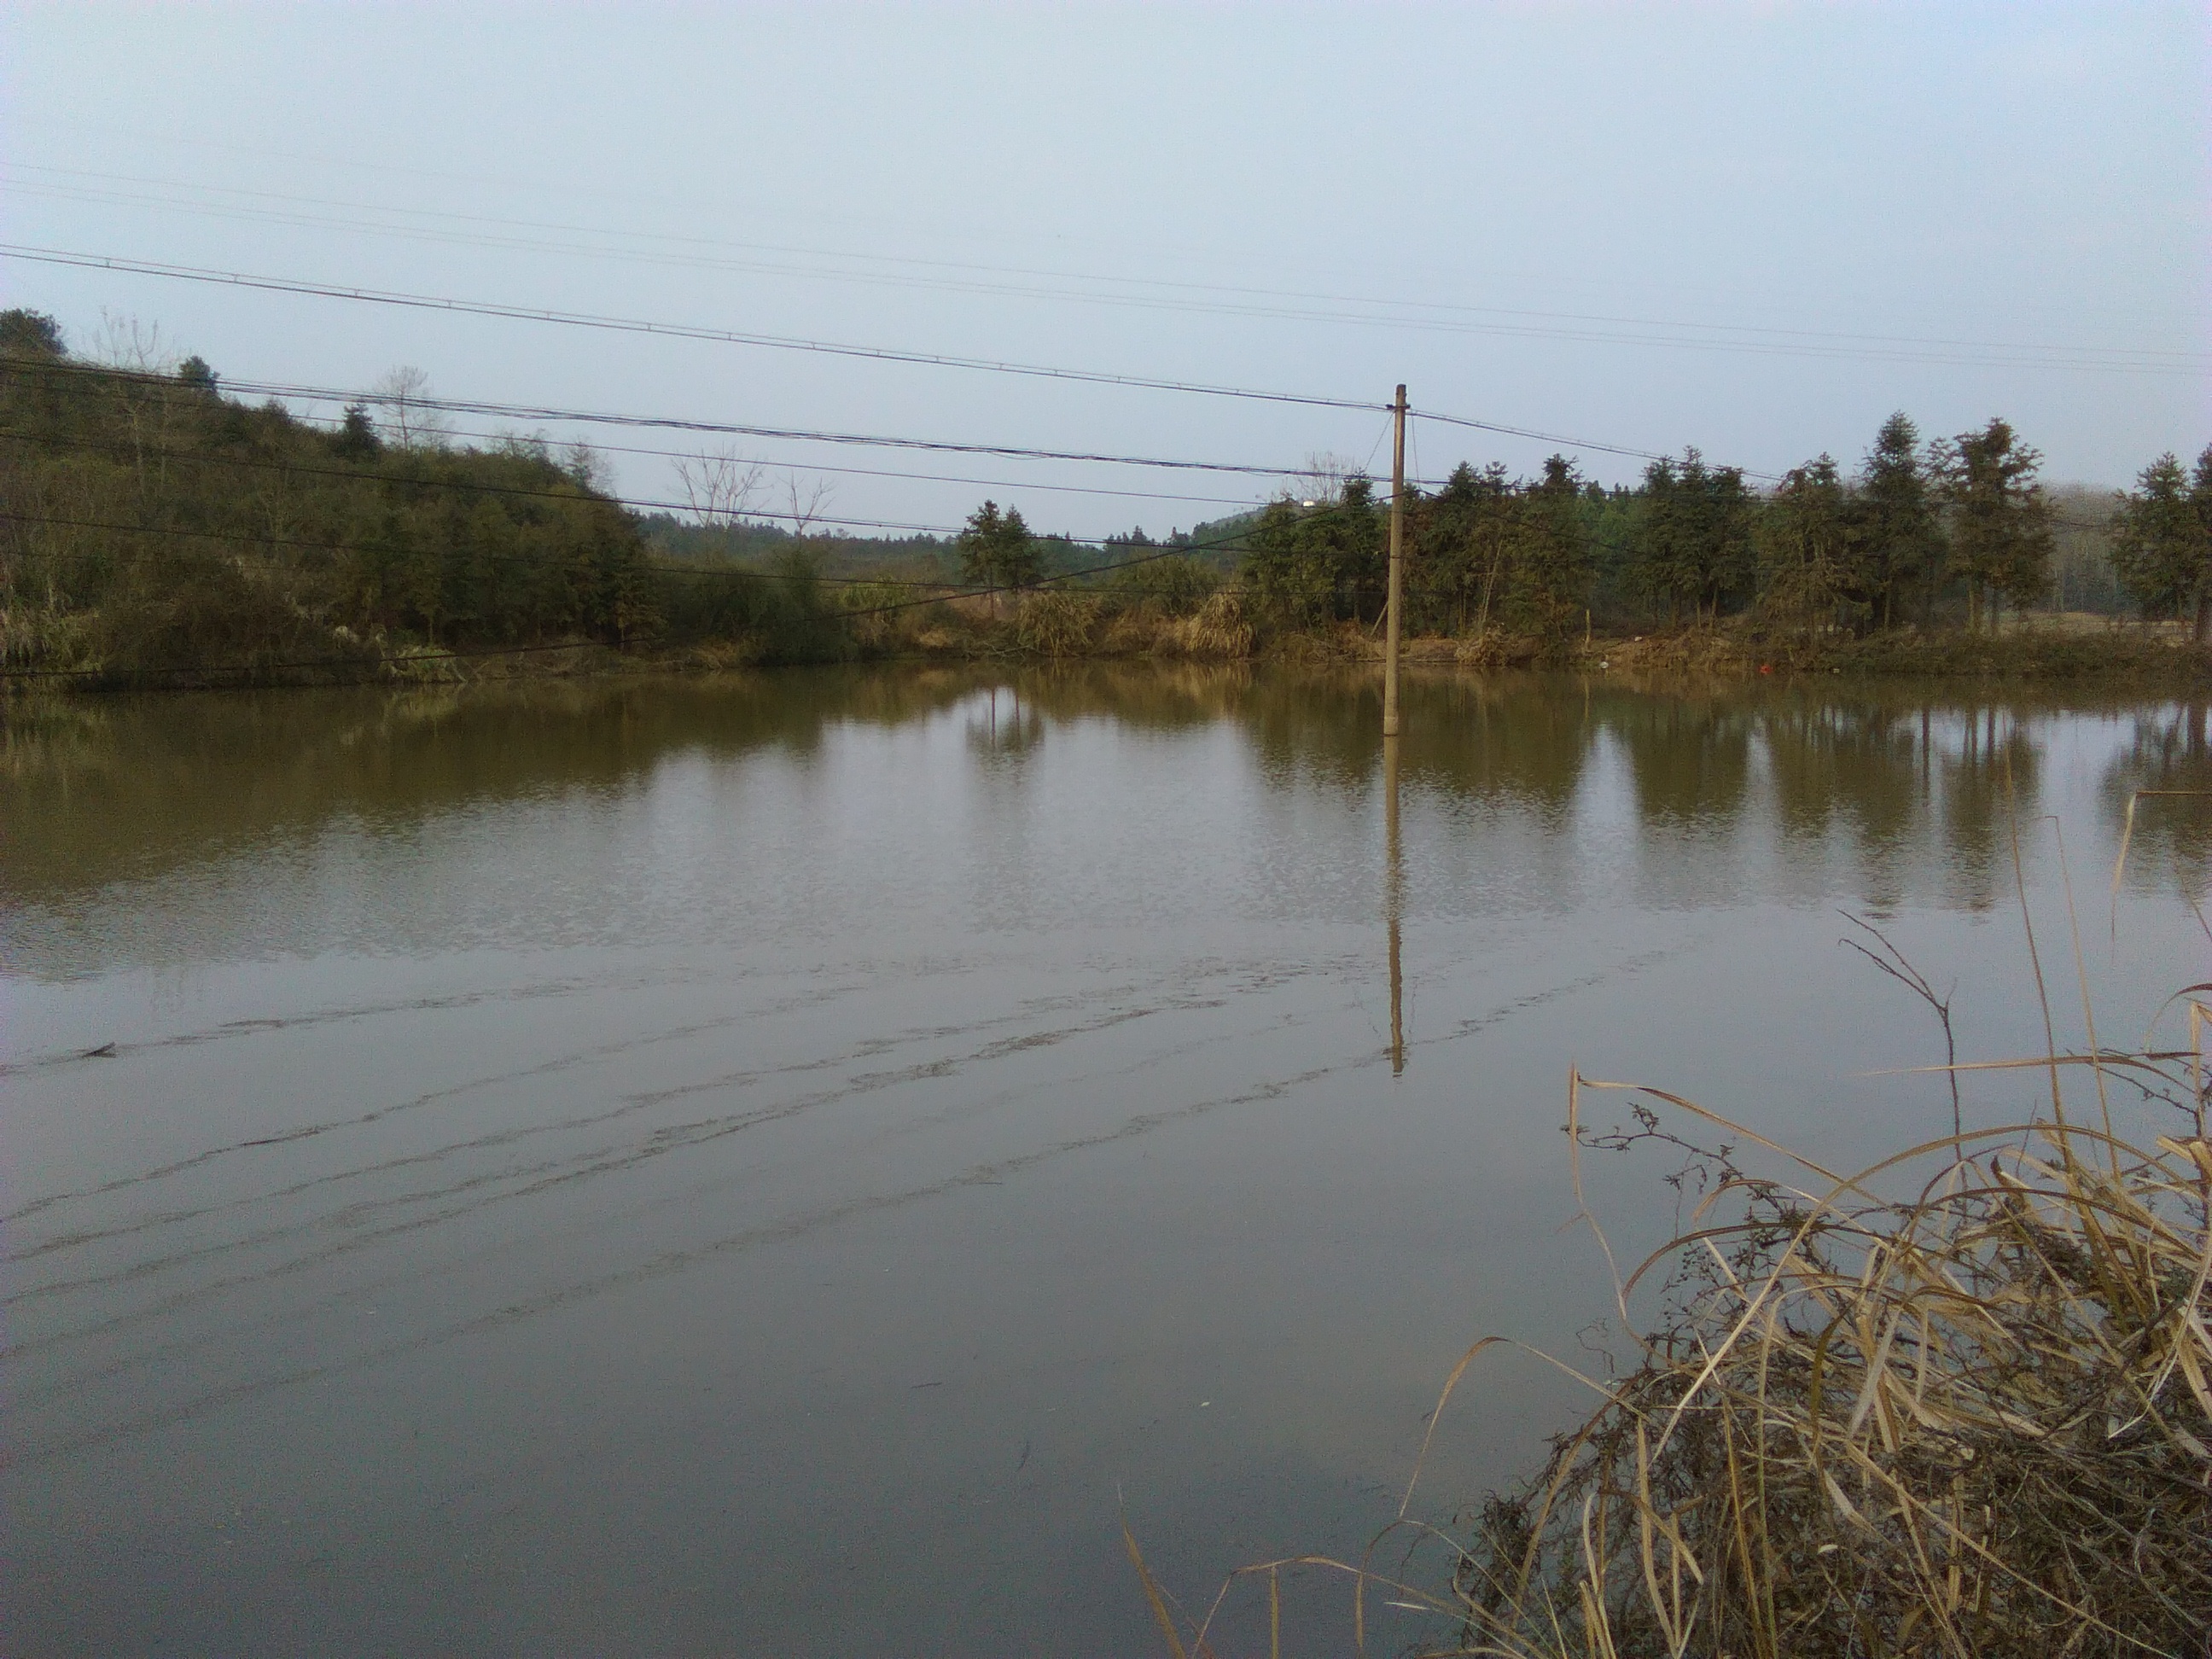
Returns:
(787, 1164)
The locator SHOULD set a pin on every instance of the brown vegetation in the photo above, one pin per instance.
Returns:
(1974, 1418)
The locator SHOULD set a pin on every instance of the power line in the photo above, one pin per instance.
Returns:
(401, 481)
(636, 326)
(1203, 298)
(676, 423)
(106, 261)
(684, 331)
(1005, 451)
(1244, 502)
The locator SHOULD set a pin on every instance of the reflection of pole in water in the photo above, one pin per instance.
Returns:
(1394, 896)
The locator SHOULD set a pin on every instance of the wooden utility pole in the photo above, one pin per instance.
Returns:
(1393, 902)
(1397, 567)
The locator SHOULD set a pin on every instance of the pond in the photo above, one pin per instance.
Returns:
(792, 1163)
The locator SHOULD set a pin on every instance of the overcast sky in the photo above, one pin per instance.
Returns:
(1755, 229)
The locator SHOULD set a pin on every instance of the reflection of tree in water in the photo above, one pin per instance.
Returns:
(1167, 695)
(1990, 771)
(1690, 756)
(1326, 726)
(139, 785)
(1855, 760)
(1878, 761)
(1524, 740)
(1002, 722)
(1513, 738)
(2168, 749)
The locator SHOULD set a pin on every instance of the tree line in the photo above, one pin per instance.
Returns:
(150, 522)
(152, 525)
(1955, 530)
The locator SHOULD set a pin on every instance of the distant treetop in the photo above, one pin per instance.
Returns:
(30, 334)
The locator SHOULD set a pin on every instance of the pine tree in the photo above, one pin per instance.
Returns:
(2000, 522)
(1900, 548)
(998, 551)
(2162, 541)
(1548, 579)
(1693, 543)
(1806, 544)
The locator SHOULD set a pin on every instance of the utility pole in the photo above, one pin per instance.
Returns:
(1394, 904)
(1397, 567)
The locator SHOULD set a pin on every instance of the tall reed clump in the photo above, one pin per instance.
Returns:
(1979, 1422)
(1975, 1420)
(1219, 630)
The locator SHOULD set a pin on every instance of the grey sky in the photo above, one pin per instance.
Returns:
(1754, 229)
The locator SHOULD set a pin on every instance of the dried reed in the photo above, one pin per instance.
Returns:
(1973, 1420)
(1976, 1422)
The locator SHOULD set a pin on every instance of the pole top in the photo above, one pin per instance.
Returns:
(1402, 394)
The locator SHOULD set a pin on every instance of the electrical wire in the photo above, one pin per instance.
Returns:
(1203, 298)
(676, 330)
(665, 423)
(107, 262)
(334, 422)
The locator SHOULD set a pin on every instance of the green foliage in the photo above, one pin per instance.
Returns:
(997, 550)
(1461, 546)
(166, 527)
(1305, 567)
(1999, 521)
(1175, 585)
(30, 334)
(1548, 573)
(1807, 542)
(756, 542)
(159, 524)
(1900, 544)
(2162, 540)
(1694, 537)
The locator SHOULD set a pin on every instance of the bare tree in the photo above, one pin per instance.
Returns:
(1319, 482)
(408, 422)
(808, 500)
(586, 466)
(124, 343)
(137, 348)
(721, 486)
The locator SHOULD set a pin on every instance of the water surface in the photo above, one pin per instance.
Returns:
(785, 1164)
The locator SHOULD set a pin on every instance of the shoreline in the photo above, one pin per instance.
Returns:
(2125, 655)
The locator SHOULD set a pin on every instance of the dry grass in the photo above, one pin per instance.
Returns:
(1218, 632)
(1054, 623)
(1977, 1422)
(1956, 1404)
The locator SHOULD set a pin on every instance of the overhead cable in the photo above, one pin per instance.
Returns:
(678, 330)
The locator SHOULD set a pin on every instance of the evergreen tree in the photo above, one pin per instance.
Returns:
(997, 550)
(2000, 523)
(1459, 545)
(1693, 542)
(30, 334)
(1306, 566)
(1806, 544)
(356, 439)
(1548, 580)
(2162, 541)
(1900, 544)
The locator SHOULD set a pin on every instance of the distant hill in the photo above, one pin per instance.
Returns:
(754, 542)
